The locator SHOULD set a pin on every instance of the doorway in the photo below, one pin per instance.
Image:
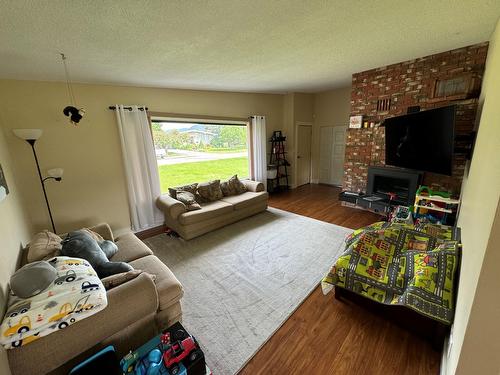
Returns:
(332, 151)
(304, 137)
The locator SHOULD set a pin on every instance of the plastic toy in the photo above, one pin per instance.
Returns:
(176, 351)
(149, 365)
(401, 214)
(173, 352)
(433, 205)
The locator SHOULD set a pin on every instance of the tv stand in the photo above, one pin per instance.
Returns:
(371, 203)
(387, 187)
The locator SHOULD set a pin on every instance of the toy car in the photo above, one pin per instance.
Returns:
(178, 350)
(88, 287)
(19, 309)
(68, 277)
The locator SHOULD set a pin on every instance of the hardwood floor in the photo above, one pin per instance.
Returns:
(326, 336)
(321, 202)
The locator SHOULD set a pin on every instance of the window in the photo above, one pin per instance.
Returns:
(188, 152)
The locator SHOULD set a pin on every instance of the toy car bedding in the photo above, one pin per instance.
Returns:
(75, 294)
(400, 264)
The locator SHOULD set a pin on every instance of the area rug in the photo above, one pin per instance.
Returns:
(243, 281)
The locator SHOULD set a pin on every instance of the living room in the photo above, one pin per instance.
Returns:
(242, 273)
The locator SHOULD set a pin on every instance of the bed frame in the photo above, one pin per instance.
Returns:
(404, 317)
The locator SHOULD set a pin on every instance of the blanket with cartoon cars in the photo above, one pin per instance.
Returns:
(75, 294)
(401, 264)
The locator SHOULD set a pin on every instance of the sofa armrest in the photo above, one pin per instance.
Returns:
(170, 206)
(104, 230)
(254, 186)
(127, 303)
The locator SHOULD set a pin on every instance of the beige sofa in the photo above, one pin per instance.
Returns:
(213, 215)
(137, 310)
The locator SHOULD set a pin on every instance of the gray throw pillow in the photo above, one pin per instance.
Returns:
(33, 278)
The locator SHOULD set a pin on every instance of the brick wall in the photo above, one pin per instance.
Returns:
(409, 83)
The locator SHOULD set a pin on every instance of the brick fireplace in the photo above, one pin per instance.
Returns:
(389, 91)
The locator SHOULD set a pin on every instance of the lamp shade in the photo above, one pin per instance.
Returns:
(28, 134)
(55, 172)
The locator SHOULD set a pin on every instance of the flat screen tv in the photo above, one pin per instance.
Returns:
(422, 140)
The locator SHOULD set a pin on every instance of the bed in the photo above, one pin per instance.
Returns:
(402, 265)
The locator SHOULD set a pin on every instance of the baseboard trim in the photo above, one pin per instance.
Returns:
(151, 232)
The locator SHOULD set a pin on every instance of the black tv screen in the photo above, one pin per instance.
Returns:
(422, 140)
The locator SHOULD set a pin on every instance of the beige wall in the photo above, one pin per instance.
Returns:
(93, 189)
(331, 108)
(475, 342)
(15, 231)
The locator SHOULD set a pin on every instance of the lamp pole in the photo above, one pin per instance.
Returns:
(42, 182)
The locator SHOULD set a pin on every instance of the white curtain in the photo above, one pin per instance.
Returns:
(259, 143)
(141, 171)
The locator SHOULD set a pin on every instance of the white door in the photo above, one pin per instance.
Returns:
(332, 150)
(304, 135)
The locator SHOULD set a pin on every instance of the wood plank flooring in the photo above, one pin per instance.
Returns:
(325, 336)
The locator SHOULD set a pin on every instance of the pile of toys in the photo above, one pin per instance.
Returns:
(436, 207)
(174, 352)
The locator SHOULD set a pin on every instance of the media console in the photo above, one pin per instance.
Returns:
(387, 187)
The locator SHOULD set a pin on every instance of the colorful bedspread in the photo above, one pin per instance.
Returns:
(75, 294)
(399, 264)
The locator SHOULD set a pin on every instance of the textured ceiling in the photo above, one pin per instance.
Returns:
(235, 45)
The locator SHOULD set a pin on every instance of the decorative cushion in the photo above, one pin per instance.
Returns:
(96, 236)
(189, 188)
(32, 278)
(44, 245)
(188, 199)
(233, 186)
(113, 281)
(210, 191)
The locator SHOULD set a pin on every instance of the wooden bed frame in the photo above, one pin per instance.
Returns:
(404, 317)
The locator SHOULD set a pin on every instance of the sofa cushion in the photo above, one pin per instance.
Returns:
(233, 186)
(117, 279)
(210, 191)
(169, 288)
(246, 199)
(130, 248)
(208, 211)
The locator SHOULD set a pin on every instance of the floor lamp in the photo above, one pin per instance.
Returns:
(31, 136)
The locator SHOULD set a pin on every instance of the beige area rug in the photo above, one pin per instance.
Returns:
(243, 281)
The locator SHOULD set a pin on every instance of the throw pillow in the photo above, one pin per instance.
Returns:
(188, 199)
(120, 278)
(233, 186)
(44, 245)
(210, 191)
(96, 236)
(189, 188)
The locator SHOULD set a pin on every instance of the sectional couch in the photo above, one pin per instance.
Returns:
(137, 310)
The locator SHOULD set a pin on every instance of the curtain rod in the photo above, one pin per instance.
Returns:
(129, 108)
